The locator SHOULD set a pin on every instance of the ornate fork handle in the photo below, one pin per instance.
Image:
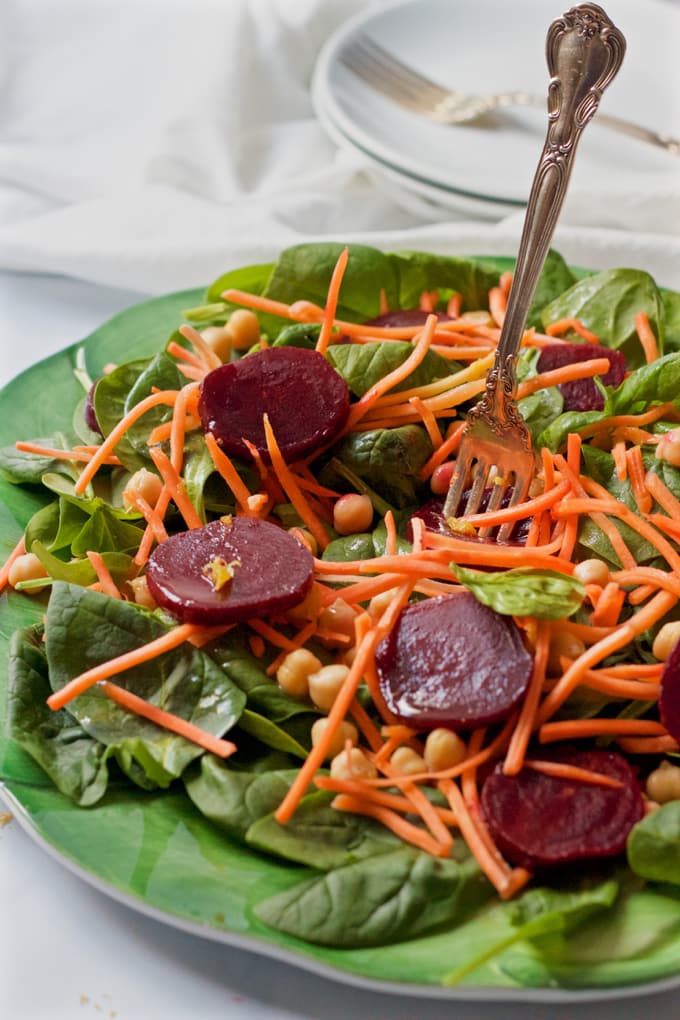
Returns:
(584, 52)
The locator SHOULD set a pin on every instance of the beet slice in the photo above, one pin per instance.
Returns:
(405, 318)
(669, 693)
(450, 661)
(306, 399)
(540, 821)
(583, 394)
(273, 573)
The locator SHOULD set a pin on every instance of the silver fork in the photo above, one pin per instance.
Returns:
(584, 52)
(412, 90)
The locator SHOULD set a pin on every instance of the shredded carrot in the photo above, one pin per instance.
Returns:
(454, 305)
(429, 421)
(108, 585)
(175, 486)
(663, 495)
(609, 606)
(498, 302)
(184, 355)
(647, 337)
(178, 426)
(208, 357)
(449, 446)
(127, 421)
(573, 773)
(289, 484)
(406, 830)
(137, 657)
(257, 645)
(228, 473)
(494, 868)
(18, 550)
(620, 462)
(561, 326)
(636, 473)
(332, 301)
(523, 510)
(515, 757)
(648, 745)
(567, 373)
(570, 729)
(358, 788)
(167, 720)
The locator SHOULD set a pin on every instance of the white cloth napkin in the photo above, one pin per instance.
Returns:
(153, 144)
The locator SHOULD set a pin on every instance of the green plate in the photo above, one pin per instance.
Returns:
(156, 852)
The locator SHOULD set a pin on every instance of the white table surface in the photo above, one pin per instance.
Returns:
(68, 952)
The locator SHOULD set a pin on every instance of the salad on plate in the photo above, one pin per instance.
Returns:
(244, 640)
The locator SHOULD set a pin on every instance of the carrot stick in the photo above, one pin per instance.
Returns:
(165, 643)
(228, 472)
(332, 301)
(646, 337)
(495, 870)
(18, 550)
(391, 820)
(609, 606)
(620, 462)
(515, 757)
(498, 302)
(573, 773)
(107, 447)
(79, 455)
(178, 426)
(571, 729)
(185, 355)
(522, 510)
(636, 473)
(561, 326)
(663, 495)
(616, 421)
(567, 373)
(108, 585)
(175, 486)
(358, 788)
(209, 359)
(167, 720)
(429, 421)
(648, 745)
(290, 485)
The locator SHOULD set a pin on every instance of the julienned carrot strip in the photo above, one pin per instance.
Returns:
(366, 725)
(636, 523)
(300, 639)
(108, 445)
(620, 462)
(561, 326)
(184, 355)
(655, 609)
(228, 473)
(163, 431)
(633, 690)
(208, 357)
(473, 554)
(567, 373)
(514, 759)
(498, 302)
(571, 729)
(108, 585)
(429, 421)
(259, 303)
(663, 495)
(495, 870)
(665, 525)
(137, 657)
(178, 426)
(505, 282)
(454, 304)
(175, 486)
(393, 378)
(427, 301)
(648, 745)
(159, 510)
(649, 671)
(18, 550)
(167, 720)
(646, 337)
(289, 484)
(364, 652)
(358, 788)
(610, 530)
(609, 606)
(646, 418)
(636, 473)
(522, 510)
(394, 822)
(391, 534)
(573, 773)
(424, 808)
(450, 384)
(449, 446)
(332, 301)
(80, 455)
(398, 736)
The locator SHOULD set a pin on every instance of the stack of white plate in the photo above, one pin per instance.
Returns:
(493, 46)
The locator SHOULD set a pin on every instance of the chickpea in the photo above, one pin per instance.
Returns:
(352, 764)
(663, 784)
(244, 327)
(592, 571)
(145, 484)
(408, 762)
(27, 568)
(306, 538)
(309, 608)
(220, 340)
(537, 486)
(668, 448)
(293, 674)
(345, 731)
(379, 603)
(325, 685)
(141, 593)
(666, 639)
(480, 317)
(338, 618)
(352, 514)
(441, 477)
(444, 749)
(563, 645)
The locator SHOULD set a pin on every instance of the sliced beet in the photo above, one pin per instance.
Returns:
(450, 661)
(540, 821)
(669, 693)
(583, 394)
(306, 400)
(273, 571)
(405, 318)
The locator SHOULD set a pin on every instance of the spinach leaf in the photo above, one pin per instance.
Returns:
(301, 334)
(249, 278)
(321, 837)
(671, 307)
(81, 572)
(27, 468)
(523, 591)
(538, 913)
(161, 373)
(658, 382)
(362, 365)
(418, 271)
(387, 459)
(350, 547)
(540, 410)
(377, 900)
(555, 278)
(74, 761)
(272, 734)
(84, 628)
(607, 304)
(654, 845)
(232, 799)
